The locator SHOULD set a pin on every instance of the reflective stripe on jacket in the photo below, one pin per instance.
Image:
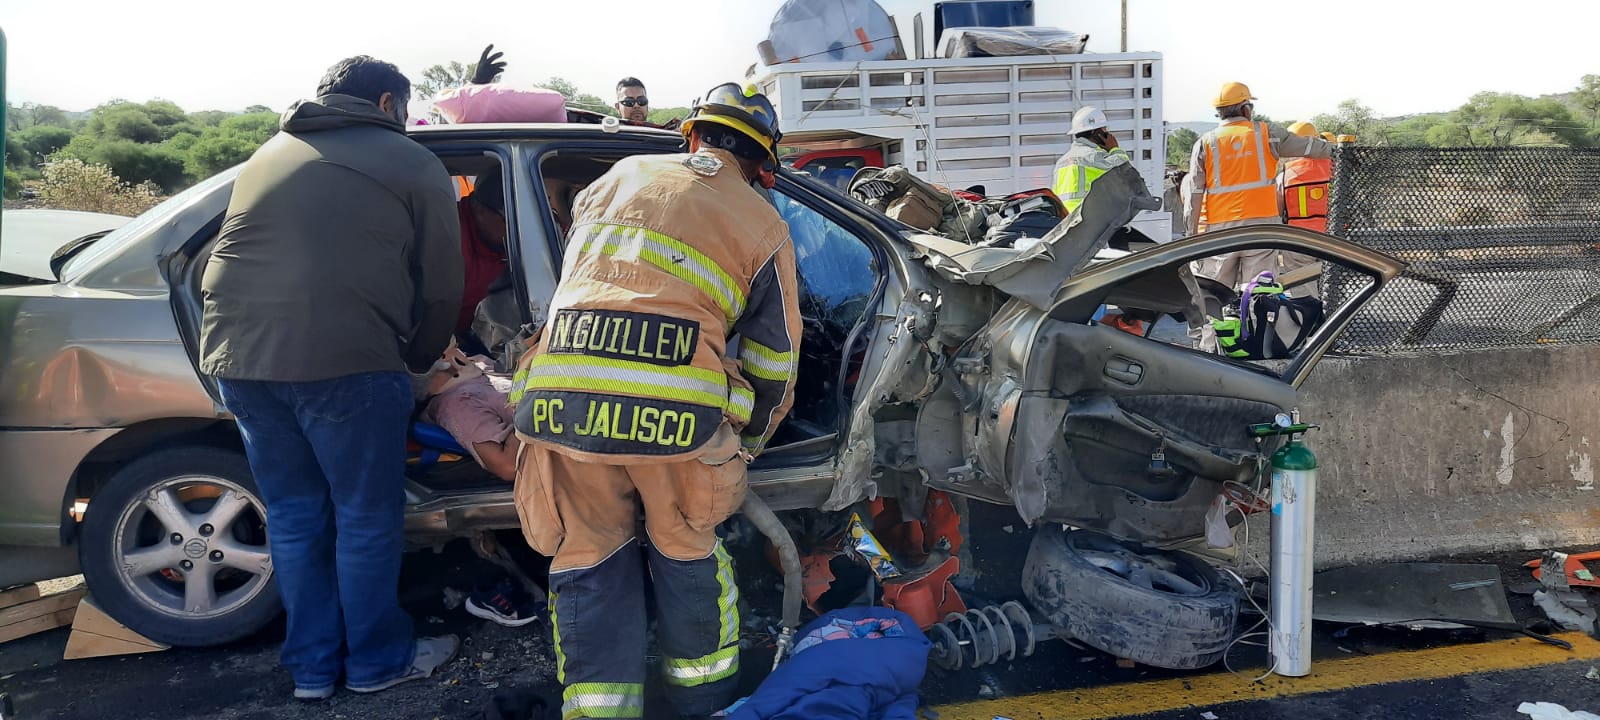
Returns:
(664, 266)
(1305, 192)
(1240, 171)
(1077, 170)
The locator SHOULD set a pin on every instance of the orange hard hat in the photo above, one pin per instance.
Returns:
(1232, 93)
(1303, 129)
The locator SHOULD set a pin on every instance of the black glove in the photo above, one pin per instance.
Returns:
(489, 67)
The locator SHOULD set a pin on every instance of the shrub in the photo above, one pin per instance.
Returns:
(13, 184)
(72, 184)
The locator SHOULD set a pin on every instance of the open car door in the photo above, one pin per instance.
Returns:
(1082, 423)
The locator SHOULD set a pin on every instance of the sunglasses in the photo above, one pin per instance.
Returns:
(640, 101)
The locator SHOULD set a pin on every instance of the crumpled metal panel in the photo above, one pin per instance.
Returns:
(896, 372)
(1035, 271)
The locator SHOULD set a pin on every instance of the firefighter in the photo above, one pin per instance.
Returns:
(1094, 151)
(636, 397)
(1303, 186)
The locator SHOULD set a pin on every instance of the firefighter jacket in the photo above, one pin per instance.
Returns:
(1084, 163)
(1304, 185)
(670, 258)
(1235, 173)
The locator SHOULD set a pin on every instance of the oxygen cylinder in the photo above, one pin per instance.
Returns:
(1294, 499)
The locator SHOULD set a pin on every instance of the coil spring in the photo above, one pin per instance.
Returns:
(981, 636)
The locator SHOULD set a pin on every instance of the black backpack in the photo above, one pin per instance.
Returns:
(1265, 323)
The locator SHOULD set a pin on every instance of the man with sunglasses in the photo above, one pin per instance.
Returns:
(632, 103)
(667, 362)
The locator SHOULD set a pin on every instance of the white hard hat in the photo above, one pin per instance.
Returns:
(1087, 118)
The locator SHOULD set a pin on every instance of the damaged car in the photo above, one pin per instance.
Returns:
(978, 370)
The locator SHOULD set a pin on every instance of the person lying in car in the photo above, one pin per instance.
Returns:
(472, 403)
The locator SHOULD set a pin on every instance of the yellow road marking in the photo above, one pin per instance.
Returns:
(1214, 689)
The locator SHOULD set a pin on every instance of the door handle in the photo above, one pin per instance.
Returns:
(1124, 371)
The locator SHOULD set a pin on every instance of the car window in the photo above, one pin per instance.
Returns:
(1284, 308)
(837, 275)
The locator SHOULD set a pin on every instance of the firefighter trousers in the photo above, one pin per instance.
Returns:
(584, 515)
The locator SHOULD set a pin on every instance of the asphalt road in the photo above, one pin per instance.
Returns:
(1361, 672)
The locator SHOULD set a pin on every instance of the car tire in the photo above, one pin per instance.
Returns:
(1167, 610)
(174, 547)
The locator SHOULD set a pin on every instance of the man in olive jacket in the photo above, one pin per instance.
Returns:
(337, 269)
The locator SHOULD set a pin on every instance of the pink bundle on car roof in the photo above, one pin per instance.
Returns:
(501, 104)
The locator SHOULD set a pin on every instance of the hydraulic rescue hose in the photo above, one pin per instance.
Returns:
(764, 519)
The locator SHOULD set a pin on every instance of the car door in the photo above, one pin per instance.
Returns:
(1080, 422)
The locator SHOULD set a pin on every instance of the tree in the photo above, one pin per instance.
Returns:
(41, 140)
(133, 161)
(440, 78)
(229, 143)
(1492, 119)
(123, 120)
(1353, 118)
(1180, 145)
(661, 116)
(28, 115)
(577, 98)
(1411, 131)
(17, 156)
(253, 109)
(13, 184)
(1587, 100)
(209, 118)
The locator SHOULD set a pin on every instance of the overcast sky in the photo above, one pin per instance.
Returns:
(1300, 58)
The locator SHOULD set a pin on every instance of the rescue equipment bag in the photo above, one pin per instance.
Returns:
(1266, 323)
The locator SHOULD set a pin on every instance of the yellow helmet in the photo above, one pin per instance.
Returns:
(742, 109)
(1232, 93)
(1329, 137)
(1303, 129)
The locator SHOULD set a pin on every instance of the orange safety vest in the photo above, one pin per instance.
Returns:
(1240, 167)
(1305, 192)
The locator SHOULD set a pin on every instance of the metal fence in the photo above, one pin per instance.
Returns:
(1503, 246)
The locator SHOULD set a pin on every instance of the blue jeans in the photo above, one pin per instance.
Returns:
(329, 459)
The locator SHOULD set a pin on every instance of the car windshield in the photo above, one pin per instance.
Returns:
(110, 244)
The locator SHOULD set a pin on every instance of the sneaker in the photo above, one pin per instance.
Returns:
(321, 693)
(431, 653)
(503, 604)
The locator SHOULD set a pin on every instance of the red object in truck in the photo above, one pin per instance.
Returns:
(836, 167)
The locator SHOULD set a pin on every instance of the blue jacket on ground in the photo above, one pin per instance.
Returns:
(846, 678)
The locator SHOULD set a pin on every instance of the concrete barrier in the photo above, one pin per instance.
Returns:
(1434, 455)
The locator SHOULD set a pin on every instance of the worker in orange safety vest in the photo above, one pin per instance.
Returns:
(1303, 186)
(1233, 183)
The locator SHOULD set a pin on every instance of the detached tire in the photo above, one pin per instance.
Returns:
(175, 547)
(1162, 609)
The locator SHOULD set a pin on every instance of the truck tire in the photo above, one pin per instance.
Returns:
(175, 547)
(1167, 610)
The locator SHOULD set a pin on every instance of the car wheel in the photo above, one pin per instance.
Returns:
(1163, 609)
(175, 547)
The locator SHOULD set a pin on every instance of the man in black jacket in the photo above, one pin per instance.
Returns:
(337, 269)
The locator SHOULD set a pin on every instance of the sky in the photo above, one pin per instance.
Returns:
(1299, 58)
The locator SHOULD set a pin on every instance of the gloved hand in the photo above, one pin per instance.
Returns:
(489, 66)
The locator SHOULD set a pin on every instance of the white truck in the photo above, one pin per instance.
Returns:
(996, 122)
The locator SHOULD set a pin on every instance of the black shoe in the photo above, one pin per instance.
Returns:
(503, 604)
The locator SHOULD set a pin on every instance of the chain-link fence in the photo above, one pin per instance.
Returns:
(1503, 246)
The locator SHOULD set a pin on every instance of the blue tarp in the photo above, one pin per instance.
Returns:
(839, 674)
